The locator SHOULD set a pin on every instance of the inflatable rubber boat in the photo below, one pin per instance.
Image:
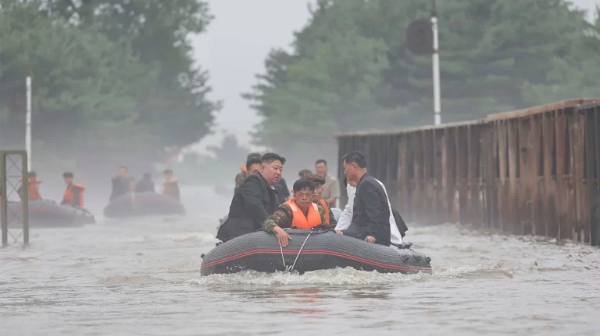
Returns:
(49, 214)
(143, 204)
(310, 251)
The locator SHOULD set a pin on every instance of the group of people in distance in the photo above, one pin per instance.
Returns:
(73, 194)
(121, 184)
(259, 204)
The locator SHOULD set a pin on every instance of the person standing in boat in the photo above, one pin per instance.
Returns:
(252, 166)
(397, 226)
(120, 183)
(244, 172)
(300, 212)
(145, 185)
(171, 184)
(73, 195)
(317, 197)
(33, 189)
(371, 212)
(331, 188)
(254, 200)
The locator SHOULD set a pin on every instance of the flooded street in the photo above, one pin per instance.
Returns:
(142, 277)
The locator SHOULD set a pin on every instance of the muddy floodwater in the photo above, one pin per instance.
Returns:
(141, 277)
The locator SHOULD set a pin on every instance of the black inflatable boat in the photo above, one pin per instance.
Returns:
(49, 214)
(143, 204)
(310, 251)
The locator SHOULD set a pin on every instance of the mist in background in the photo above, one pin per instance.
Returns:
(157, 84)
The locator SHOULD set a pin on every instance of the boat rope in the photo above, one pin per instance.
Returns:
(291, 268)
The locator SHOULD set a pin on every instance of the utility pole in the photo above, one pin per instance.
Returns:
(28, 123)
(437, 109)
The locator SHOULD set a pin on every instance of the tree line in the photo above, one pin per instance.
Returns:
(350, 69)
(112, 80)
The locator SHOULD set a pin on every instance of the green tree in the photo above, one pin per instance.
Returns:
(112, 79)
(350, 68)
(175, 104)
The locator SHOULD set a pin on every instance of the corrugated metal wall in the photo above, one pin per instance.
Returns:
(534, 171)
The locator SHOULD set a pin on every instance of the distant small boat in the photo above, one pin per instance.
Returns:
(143, 204)
(48, 213)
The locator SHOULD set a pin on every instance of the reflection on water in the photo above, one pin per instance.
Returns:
(142, 277)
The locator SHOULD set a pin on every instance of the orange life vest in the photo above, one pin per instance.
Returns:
(327, 210)
(74, 195)
(33, 190)
(300, 221)
(171, 188)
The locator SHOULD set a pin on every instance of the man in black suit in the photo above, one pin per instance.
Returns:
(254, 200)
(371, 213)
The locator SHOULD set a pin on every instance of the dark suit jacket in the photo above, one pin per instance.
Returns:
(252, 203)
(370, 213)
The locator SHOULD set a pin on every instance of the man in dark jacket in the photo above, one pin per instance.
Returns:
(254, 200)
(371, 213)
(120, 183)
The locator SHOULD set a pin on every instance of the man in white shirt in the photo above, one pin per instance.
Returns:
(346, 217)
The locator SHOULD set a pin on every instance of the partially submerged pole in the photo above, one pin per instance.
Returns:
(28, 123)
(437, 109)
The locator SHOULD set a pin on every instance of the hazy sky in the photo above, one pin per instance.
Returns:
(236, 45)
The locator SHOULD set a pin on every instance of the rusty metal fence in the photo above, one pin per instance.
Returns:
(534, 171)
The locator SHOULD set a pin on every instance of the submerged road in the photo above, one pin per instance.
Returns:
(141, 277)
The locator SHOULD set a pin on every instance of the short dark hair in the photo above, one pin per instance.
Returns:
(68, 174)
(302, 184)
(270, 157)
(355, 157)
(321, 161)
(304, 172)
(31, 174)
(253, 154)
(147, 175)
(168, 171)
(252, 160)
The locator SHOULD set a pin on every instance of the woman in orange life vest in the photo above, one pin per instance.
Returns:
(33, 189)
(73, 195)
(171, 185)
(298, 213)
(319, 181)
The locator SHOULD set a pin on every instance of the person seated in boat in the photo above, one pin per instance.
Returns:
(145, 185)
(120, 183)
(319, 181)
(371, 211)
(171, 184)
(73, 195)
(244, 172)
(300, 212)
(254, 200)
(33, 188)
(397, 226)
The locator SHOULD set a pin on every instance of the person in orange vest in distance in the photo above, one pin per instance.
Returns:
(73, 195)
(297, 213)
(33, 191)
(171, 184)
(318, 197)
